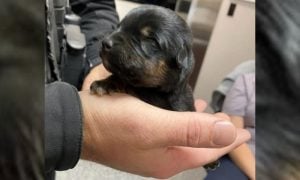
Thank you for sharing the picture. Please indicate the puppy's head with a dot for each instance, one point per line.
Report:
(150, 48)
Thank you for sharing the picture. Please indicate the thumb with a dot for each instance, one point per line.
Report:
(195, 130)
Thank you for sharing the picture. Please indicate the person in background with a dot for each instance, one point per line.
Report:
(220, 92)
(239, 104)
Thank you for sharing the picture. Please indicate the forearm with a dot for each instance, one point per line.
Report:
(244, 159)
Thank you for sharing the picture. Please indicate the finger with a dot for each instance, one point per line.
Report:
(195, 130)
(200, 105)
(195, 157)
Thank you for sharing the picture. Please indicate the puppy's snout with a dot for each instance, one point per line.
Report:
(107, 44)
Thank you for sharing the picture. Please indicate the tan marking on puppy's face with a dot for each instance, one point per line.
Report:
(146, 31)
(155, 73)
(290, 171)
(160, 69)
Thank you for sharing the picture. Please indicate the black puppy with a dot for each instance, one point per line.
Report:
(150, 57)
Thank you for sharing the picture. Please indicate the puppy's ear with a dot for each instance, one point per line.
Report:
(183, 58)
(185, 62)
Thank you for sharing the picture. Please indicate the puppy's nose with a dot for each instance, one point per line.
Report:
(107, 44)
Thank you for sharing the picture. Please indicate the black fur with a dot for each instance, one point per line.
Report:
(278, 87)
(21, 94)
(150, 57)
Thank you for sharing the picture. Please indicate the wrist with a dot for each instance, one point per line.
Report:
(86, 136)
(91, 136)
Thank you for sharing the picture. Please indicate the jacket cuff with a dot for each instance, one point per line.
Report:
(63, 126)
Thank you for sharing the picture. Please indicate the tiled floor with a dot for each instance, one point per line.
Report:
(85, 170)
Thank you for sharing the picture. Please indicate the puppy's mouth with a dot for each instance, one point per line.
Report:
(108, 65)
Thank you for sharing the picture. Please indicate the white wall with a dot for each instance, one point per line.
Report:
(123, 7)
(232, 42)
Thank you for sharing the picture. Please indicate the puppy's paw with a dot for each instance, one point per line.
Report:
(98, 87)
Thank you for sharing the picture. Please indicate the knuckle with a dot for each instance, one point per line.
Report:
(193, 133)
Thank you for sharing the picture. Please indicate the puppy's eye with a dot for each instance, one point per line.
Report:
(153, 42)
(149, 46)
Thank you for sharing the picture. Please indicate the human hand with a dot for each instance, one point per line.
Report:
(97, 73)
(125, 133)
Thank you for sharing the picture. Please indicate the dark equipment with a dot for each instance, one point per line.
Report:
(66, 44)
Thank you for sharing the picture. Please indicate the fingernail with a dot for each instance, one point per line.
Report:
(224, 133)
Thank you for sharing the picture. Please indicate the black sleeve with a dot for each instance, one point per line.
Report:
(98, 18)
(63, 126)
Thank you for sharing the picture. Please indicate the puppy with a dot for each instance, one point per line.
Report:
(150, 57)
